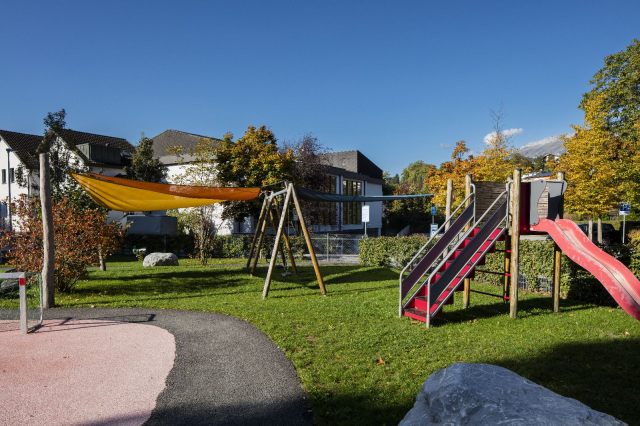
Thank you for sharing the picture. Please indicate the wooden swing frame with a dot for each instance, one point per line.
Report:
(270, 212)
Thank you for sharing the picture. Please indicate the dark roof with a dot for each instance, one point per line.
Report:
(25, 146)
(74, 138)
(170, 138)
(354, 162)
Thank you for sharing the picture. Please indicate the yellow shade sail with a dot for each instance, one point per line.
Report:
(130, 195)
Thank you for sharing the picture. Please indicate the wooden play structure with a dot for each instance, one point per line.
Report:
(494, 212)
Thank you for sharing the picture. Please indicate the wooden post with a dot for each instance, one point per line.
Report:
(515, 242)
(255, 234)
(557, 259)
(263, 228)
(305, 231)
(276, 243)
(274, 224)
(466, 295)
(287, 243)
(48, 264)
(507, 267)
(447, 210)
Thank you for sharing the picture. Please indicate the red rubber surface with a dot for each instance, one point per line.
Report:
(82, 372)
(614, 276)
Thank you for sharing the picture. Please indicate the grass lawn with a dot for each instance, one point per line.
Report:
(361, 364)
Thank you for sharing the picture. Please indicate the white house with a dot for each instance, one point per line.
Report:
(351, 172)
(101, 154)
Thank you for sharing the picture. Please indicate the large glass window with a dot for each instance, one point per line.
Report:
(328, 211)
(351, 212)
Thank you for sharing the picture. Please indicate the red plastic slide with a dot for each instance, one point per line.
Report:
(614, 276)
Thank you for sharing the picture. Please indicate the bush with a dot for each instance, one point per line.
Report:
(394, 252)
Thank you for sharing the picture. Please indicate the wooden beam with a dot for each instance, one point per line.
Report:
(276, 243)
(312, 252)
(274, 224)
(257, 231)
(287, 243)
(447, 209)
(261, 239)
(515, 242)
(557, 259)
(466, 295)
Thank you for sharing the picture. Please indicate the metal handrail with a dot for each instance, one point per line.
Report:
(428, 281)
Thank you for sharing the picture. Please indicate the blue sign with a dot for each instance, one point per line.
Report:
(625, 209)
(434, 211)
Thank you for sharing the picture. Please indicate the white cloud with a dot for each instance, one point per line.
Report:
(445, 146)
(507, 133)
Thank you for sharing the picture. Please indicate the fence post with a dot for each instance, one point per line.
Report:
(23, 304)
(466, 295)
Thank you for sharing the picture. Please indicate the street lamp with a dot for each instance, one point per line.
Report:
(9, 151)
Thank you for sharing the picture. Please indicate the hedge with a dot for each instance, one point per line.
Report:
(536, 265)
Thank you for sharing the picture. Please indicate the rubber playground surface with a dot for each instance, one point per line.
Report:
(146, 366)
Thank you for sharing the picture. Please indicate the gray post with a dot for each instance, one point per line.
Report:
(23, 305)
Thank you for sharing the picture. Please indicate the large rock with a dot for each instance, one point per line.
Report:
(481, 394)
(160, 259)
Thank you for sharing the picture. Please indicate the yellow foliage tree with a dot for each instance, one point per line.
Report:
(461, 163)
(590, 163)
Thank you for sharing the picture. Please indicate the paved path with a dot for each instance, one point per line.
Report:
(226, 372)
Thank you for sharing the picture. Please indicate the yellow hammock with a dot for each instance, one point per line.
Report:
(131, 195)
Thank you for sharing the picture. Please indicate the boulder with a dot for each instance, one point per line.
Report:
(482, 394)
(160, 259)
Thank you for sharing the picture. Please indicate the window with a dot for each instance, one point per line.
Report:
(12, 175)
(328, 211)
(4, 176)
(351, 212)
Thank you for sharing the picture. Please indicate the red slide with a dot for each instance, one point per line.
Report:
(614, 276)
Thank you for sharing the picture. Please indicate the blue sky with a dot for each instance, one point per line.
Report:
(400, 81)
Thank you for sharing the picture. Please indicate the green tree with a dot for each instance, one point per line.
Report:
(415, 173)
(619, 80)
(252, 161)
(144, 166)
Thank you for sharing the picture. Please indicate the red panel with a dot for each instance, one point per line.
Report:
(614, 276)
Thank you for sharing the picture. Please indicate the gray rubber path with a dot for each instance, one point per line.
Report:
(226, 371)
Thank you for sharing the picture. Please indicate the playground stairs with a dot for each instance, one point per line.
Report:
(446, 270)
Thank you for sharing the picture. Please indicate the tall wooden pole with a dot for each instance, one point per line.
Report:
(305, 231)
(49, 300)
(274, 224)
(515, 242)
(557, 260)
(287, 243)
(449, 201)
(276, 243)
(507, 267)
(466, 295)
(263, 228)
(258, 227)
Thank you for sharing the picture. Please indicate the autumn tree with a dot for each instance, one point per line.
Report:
(252, 161)
(79, 237)
(590, 162)
(498, 159)
(144, 166)
(460, 165)
(200, 171)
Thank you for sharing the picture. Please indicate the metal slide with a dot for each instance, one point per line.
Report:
(614, 276)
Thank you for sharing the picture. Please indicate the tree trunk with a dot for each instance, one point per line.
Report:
(47, 233)
(599, 230)
(103, 264)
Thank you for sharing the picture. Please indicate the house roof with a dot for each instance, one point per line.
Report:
(25, 146)
(75, 138)
(78, 138)
(170, 138)
(355, 162)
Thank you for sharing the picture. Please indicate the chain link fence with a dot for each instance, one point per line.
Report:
(337, 248)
